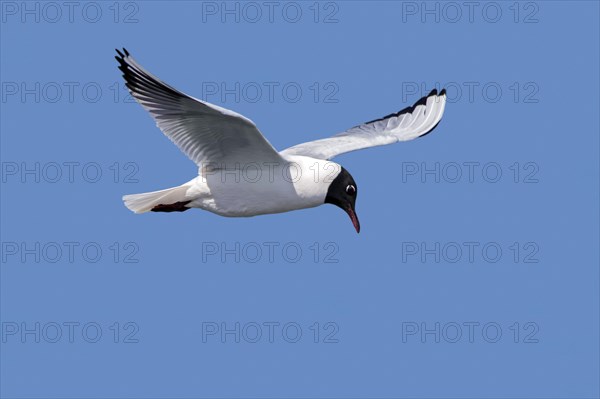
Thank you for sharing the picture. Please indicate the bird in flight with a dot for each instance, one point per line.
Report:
(240, 173)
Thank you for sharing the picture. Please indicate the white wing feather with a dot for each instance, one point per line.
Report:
(204, 132)
(408, 124)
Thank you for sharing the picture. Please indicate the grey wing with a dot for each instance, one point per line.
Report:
(204, 132)
(407, 124)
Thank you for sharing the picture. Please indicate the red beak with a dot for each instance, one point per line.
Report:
(354, 218)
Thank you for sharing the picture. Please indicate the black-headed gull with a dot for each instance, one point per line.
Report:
(240, 173)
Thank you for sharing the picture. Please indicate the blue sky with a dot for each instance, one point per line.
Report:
(476, 270)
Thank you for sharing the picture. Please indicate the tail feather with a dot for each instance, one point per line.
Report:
(145, 202)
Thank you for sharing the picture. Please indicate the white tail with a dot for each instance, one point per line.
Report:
(140, 203)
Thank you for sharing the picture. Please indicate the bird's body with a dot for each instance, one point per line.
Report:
(253, 189)
(240, 173)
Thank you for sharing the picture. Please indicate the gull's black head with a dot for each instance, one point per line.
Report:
(342, 192)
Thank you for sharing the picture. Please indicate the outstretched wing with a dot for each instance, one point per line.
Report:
(408, 124)
(206, 133)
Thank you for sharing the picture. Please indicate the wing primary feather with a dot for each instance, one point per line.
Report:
(409, 109)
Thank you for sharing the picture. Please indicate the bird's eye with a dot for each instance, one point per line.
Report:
(350, 189)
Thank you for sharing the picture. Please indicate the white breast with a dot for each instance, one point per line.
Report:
(253, 189)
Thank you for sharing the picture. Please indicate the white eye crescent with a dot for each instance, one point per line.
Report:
(350, 189)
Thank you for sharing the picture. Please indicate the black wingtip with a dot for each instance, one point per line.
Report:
(422, 101)
(432, 93)
(121, 61)
(123, 53)
(443, 92)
